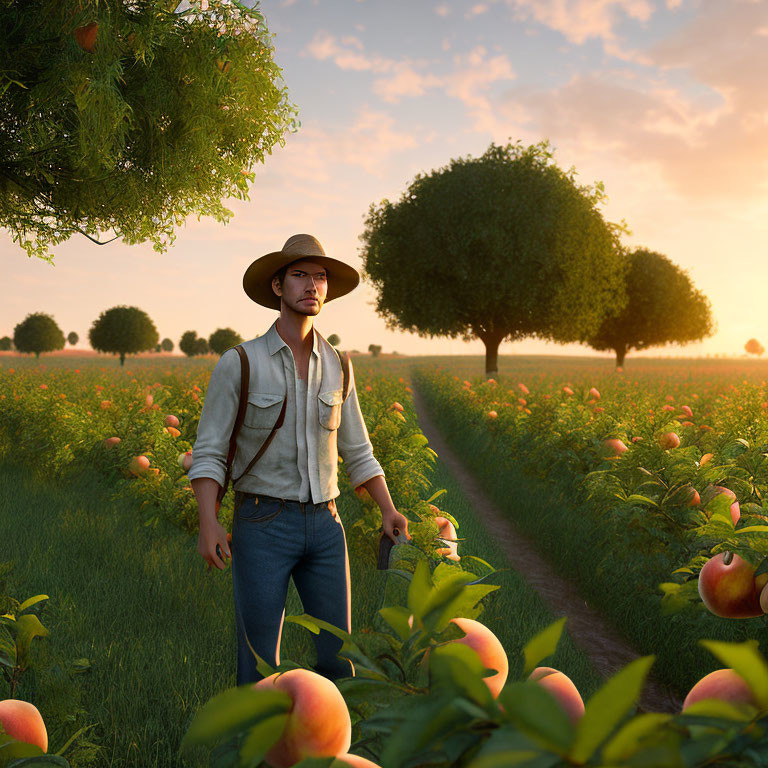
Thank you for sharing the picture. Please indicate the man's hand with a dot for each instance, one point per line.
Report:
(390, 520)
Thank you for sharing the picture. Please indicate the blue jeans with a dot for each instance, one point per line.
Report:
(273, 539)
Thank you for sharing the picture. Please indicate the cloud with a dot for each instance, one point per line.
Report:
(442, 10)
(476, 10)
(579, 20)
(472, 76)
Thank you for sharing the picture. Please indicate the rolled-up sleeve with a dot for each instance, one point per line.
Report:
(209, 454)
(354, 445)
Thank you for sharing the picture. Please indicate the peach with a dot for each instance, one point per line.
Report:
(704, 459)
(669, 440)
(562, 688)
(319, 724)
(693, 496)
(396, 407)
(23, 722)
(723, 684)
(488, 648)
(86, 36)
(171, 420)
(492, 414)
(447, 531)
(185, 460)
(594, 393)
(567, 390)
(110, 441)
(172, 431)
(613, 447)
(713, 490)
(728, 588)
(139, 465)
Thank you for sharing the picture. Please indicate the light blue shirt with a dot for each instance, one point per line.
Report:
(301, 463)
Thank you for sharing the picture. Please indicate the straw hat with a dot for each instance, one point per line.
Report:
(257, 280)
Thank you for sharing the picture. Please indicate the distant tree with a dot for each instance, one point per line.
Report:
(6, 343)
(124, 331)
(223, 339)
(167, 345)
(188, 343)
(128, 116)
(334, 340)
(663, 308)
(506, 246)
(38, 333)
(374, 349)
(201, 346)
(754, 347)
(73, 338)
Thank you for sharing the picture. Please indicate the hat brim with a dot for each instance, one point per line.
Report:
(257, 280)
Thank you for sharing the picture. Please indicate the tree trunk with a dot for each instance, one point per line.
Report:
(491, 339)
(122, 358)
(621, 353)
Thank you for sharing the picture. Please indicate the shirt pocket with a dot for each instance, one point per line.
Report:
(262, 410)
(329, 408)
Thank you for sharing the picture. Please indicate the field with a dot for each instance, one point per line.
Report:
(142, 636)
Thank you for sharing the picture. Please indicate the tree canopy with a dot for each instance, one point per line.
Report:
(124, 331)
(37, 333)
(223, 339)
(500, 247)
(662, 308)
(125, 115)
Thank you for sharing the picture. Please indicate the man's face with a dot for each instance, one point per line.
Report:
(304, 280)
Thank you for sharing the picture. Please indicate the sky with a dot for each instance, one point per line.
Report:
(664, 101)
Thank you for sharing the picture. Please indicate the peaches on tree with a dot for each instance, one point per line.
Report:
(729, 588)
(487, 646)
(318, 723)
(22, 721)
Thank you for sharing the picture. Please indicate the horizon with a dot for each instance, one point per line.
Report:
(662, 102)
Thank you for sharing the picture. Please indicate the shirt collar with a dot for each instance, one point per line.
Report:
(275, 341)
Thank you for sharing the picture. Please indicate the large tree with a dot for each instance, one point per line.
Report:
(663, 308)
(500, 247)
(223, 339)
(37, 333)
(124, 331)
(127, 116)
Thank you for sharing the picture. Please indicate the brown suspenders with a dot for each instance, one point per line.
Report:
(244, 379)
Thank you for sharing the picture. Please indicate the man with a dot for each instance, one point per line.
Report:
(285, 521)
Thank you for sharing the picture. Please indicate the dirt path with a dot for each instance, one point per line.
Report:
(607, 650)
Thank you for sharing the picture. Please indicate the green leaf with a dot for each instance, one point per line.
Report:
(752, 529)
(397, 618)
(505, 747)
(608, 706)
(457, 668)
(235, 710)
(542, 645)
(639, 499)
(436, 716)
(419, 589)
(260, 737)
(624, 744)
(536, 712)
